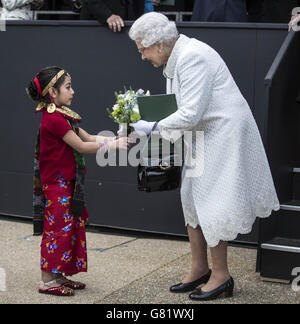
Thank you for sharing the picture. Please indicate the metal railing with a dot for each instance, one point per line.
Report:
(178, 15)
(37, 13)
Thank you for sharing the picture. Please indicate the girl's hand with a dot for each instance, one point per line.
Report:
(121, 143)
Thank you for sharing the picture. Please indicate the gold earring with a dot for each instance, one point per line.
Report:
(51, 108)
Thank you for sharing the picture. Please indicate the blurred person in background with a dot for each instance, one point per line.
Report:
(77, 5)
(271, 11)
(149, 6)
(220, 11)
(295, 20)
(58, 6)
(173, 5)
(113, 13)
(19, 9)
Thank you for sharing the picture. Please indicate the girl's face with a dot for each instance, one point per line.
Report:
(65, 95)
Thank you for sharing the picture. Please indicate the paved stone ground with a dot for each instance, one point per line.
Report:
(125, 270)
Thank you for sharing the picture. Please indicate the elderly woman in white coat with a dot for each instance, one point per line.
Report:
(236, 184)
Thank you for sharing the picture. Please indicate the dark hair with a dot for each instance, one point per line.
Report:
(44, 77)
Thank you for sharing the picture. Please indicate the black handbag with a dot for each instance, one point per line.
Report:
(161, 175)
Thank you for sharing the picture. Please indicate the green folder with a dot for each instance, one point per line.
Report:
(158, 107)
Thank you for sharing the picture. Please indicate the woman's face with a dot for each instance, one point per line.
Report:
(65, 95)
(153, 54)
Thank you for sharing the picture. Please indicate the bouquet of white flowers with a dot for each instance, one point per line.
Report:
(126, 109)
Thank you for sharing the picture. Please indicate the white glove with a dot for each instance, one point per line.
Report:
(143, 126)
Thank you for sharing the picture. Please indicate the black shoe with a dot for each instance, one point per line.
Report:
(190, 286)
(226, 289)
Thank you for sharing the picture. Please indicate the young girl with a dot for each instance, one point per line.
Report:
(59, 180)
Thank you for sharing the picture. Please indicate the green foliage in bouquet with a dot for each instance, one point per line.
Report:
(126, 110)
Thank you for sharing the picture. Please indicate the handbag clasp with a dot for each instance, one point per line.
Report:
(164, 165)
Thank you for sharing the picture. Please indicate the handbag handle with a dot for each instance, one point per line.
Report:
(150, 134)
(153, 129)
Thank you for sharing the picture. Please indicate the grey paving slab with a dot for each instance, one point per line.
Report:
(113, 263)
(124, 269)
(249, 288)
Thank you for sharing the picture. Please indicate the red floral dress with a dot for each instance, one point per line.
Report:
(63, 246)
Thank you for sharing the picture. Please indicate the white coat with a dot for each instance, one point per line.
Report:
(235, 184)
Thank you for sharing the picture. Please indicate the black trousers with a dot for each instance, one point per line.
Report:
(271, 11)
